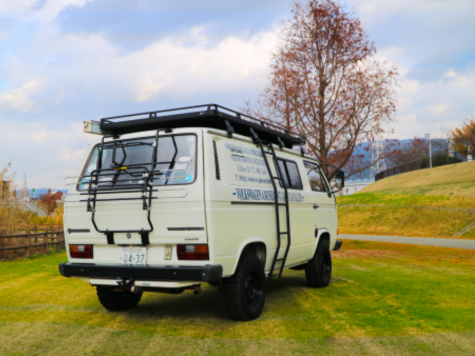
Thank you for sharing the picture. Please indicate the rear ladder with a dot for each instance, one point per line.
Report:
(270, 151)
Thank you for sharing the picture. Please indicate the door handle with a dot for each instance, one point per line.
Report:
(315, 206)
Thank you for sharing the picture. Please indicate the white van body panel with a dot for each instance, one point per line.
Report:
(227, 214)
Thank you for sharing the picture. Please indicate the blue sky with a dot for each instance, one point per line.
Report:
(65, 61)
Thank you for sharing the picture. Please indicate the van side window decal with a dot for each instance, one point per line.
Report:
(246, 166)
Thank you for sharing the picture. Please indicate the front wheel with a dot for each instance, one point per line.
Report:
(117, 301)
(319, 268)
(245, 293)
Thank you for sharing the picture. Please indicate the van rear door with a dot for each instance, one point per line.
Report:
(132, 190)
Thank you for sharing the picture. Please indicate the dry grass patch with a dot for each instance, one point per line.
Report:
(402, 221)
(454, 179)
(51, 339)
(436, 202)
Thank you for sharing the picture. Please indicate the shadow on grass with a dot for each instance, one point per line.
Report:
(209, 304)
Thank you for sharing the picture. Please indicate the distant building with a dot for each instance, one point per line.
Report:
(57, 195)
(353, 186)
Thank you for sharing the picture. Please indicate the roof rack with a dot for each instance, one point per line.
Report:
(208, 115)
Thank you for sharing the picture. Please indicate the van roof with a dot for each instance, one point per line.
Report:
(208, 115)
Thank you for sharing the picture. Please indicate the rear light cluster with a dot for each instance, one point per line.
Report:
(193, 252)
(80, 251)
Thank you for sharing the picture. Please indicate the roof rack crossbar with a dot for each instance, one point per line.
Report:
(212, 115)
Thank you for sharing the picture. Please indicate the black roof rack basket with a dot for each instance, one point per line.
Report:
(209, 115)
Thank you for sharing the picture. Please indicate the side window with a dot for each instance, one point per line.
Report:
(315, 177)
(291, 174)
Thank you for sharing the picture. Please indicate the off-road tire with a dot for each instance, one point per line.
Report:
(319, 268)
(214, 284)
(245, 292)
(117, 301)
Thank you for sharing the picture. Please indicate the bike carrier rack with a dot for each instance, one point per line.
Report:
(143, 176)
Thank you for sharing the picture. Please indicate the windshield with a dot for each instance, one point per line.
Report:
(124, 165)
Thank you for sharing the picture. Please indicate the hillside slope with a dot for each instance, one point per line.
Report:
(429, 202)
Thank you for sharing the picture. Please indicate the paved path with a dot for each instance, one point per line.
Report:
(34, 207)
(430, 241)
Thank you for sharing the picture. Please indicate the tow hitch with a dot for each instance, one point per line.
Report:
(129, 286)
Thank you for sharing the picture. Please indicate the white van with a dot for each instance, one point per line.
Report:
(171, 199)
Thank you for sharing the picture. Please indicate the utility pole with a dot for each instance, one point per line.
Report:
(430, 150)
(377, 164)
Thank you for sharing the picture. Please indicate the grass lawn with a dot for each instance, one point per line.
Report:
(384, 299)
(436, 202)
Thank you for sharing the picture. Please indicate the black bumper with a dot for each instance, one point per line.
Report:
(206, 273)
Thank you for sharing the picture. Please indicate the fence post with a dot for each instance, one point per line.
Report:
(58, 241)
(28, 250)
(46, 242)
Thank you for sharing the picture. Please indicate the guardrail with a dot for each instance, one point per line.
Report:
(32, 242)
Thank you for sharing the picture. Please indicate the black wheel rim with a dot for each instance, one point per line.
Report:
(252, 291)
(326, 266)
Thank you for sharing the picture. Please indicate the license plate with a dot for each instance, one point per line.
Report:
(133, 256)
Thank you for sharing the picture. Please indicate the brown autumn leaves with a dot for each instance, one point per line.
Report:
(326, 85)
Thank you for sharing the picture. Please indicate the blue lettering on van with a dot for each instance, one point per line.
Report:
(243, 150)
(266, 195)
(249, 160)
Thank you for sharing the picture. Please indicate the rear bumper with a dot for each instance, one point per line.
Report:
(206, 273)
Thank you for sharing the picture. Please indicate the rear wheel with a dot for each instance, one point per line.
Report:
(319, 268)
(214, 284)
(244, 293)
(117, 301)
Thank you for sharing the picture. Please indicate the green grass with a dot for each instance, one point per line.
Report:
(455, 179)
(405, 215)
(384, 299)
(436, 202)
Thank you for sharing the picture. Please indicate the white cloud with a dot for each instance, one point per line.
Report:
(47, 154)
(439, 109)
(20, 98)
(37, 10)
(174, 68)
(168, 69)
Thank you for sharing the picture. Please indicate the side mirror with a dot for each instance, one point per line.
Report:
(340, 180)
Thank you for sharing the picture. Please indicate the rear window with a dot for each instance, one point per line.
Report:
(291, 174)
(124, 165)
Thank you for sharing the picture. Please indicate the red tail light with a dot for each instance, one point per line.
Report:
(80, 251)
(192, 252)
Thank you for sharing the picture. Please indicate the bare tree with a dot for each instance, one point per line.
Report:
(414, 150)
(10, 213)
(326, 85)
